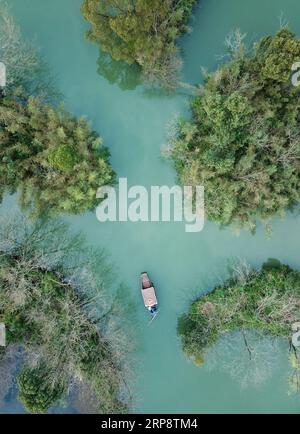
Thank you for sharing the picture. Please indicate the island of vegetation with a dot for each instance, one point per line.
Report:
(242, 142)
(55, 308)
(141, 33)
(54, 160)
(265, 301)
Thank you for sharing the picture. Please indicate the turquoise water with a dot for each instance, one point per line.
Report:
(182, 265)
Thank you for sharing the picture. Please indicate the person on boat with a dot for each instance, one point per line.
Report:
(152, 310)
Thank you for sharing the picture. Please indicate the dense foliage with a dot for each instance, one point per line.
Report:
(53, 303)
(267, 301)
(243, 142)
(53, 158)
(141, 32)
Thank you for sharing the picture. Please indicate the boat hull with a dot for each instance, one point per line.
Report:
(149, 294)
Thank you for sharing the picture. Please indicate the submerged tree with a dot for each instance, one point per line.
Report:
(55, 160)
(265, 302)
(249, 357)
(54, 304)
(23, 65)
(243, 142)
(36, 392)
(141, 32)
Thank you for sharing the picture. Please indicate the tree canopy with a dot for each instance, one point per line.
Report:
(141, 32)
(35, 390)
(54, 159)
(243, 142)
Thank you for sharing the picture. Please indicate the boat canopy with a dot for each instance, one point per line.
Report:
(145, 281)
(149, 297)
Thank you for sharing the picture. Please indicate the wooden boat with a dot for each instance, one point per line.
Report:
(149, 295)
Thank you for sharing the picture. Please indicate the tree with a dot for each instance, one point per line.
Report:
(141, 32)
(55, 304)
(55, 160)
(250, 358)
(248, 310)
(242, 143)
(126, 76)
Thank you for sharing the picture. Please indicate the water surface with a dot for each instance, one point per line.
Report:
(182, 265)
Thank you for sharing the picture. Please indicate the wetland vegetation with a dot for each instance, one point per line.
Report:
(65, 324)
(242, 142)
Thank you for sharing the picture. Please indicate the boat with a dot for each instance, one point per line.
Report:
(149, 295)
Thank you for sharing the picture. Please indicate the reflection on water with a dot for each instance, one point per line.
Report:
(126, 76)
(182, 265)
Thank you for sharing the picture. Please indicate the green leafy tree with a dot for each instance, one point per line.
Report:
(242, 143)
(24, 67)
(54, 160)
(35, 390)
(249, 311)
(141, 32)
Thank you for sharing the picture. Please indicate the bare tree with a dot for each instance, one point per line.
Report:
(249, 358)
(65, 327)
